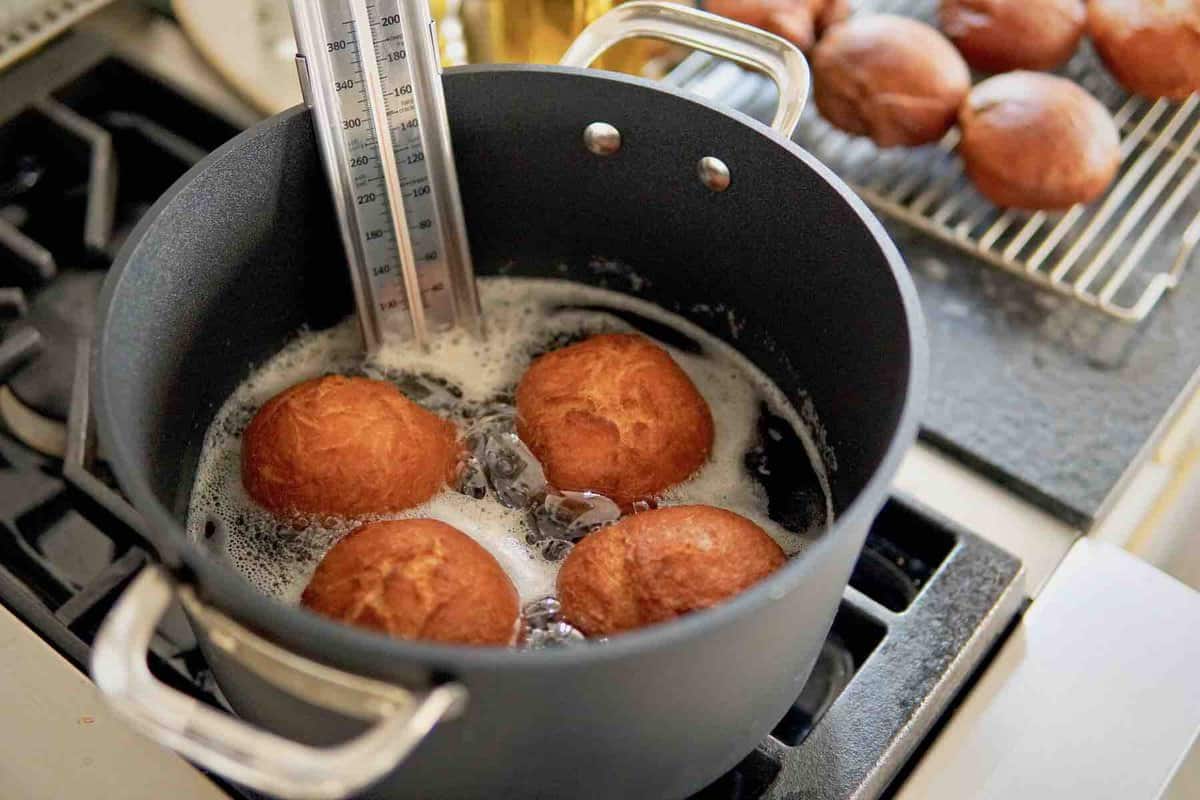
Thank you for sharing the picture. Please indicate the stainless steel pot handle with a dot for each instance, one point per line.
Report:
(778, 58)
(234, 749)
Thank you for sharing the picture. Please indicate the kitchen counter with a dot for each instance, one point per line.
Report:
(59, 740)
(1090, 697)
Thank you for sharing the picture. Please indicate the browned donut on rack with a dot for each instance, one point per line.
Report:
(1003, 35)
(801, 22)
(1151, 46)
(1036, 141)
(891, 78)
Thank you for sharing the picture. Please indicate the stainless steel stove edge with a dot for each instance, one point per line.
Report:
(897, 696)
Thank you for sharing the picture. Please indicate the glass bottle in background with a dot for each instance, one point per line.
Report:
(539, 32)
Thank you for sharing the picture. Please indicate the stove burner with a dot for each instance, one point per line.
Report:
(894, 567)
(26, 172)
(47, 436)
(61, 314)
(61, 213)
(35, 402)
(834, 669)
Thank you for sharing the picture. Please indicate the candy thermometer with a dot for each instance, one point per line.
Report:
(371, 74)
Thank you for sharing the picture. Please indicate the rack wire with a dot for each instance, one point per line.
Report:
(1107, 255)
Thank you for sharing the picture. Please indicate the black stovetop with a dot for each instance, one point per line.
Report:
(925, 598)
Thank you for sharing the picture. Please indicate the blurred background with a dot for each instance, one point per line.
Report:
(249, 42)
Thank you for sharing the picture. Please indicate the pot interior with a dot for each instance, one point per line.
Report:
(244, 251)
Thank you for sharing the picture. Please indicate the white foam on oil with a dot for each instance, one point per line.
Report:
(523, 316)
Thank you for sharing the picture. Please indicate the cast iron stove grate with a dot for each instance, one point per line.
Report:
(84, 152)
(925, 603)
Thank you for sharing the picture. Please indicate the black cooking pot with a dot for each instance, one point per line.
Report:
(244, 251)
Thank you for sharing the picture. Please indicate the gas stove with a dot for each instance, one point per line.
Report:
(78, 168)
(94, 143)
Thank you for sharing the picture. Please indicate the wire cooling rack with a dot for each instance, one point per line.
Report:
(26, 24)
(1107, 255)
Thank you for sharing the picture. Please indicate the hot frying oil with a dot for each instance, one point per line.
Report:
(472, 383)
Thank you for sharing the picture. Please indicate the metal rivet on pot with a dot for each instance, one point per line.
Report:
(714, 173)
(602, 139)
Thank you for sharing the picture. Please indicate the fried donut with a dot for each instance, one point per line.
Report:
(1003, 35)
(345, 447)
(1152, 47)
(613, 414)
(891, 78)
(801, 22)
(1037, 141)
(656, 565)
(416, 579)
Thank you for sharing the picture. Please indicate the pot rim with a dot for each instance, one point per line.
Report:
(298, 629)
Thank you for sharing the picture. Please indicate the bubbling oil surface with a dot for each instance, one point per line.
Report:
(462, 378)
